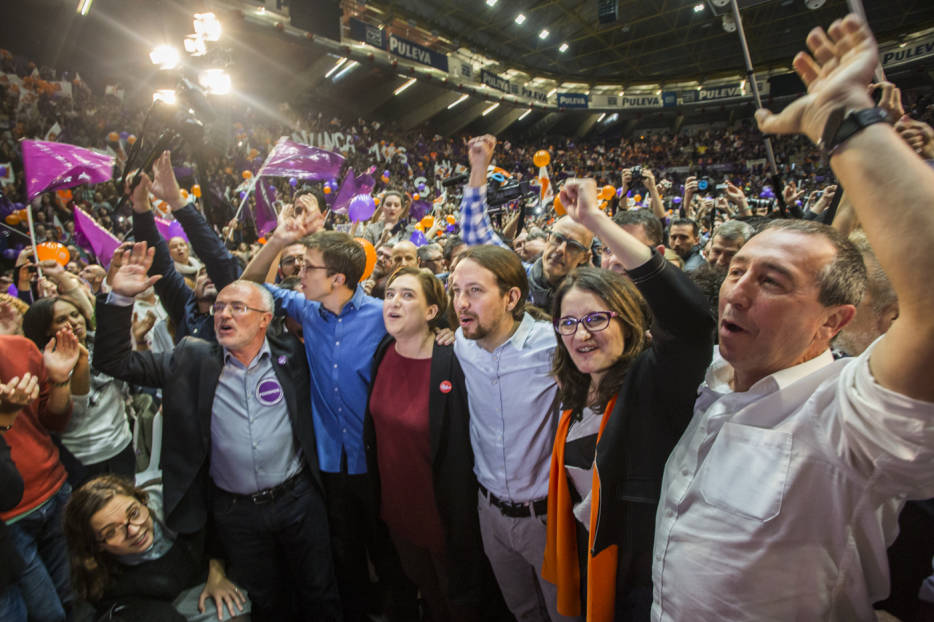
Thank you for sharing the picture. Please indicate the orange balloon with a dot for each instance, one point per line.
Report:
(608, 192)
(54, 251)
(541, 158)
(375, 200)
(261, 240)
(247, 174)
(64, 195)
(427, 222)
(415, 197)
(13, 219)
(370, 257)
(229, 170)
(184, 194)
(603, 205)
(637, 198)
(113, 137)
(559, 207)
(327, 190)
(196, 190)
(450, 219)
(131, 139)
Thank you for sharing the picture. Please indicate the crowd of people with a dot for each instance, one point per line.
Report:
(686, 396)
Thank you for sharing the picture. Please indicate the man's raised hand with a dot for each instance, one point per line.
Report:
(164, 184)
(132, 278)
(298, 220)
(836, 73)
(579, 197)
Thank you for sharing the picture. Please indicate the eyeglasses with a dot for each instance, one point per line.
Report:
(136, 514)
(236, 308)
(557, 239)
(292, 259)
(308, 266)
(592, 322)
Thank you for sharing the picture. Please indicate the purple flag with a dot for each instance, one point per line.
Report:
(351, 187)
(55, 166)
(92, 237)
(419, 209)
(263, 213)
(292, 159)
(170, 229)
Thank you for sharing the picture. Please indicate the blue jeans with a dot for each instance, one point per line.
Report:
(40, 541)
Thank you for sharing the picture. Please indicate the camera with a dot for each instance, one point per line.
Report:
(499, 194)
(636, 173)
(703, 183)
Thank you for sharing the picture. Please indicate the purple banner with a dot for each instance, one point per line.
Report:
(92, 237)
(55, 166)
(264, 213)
(292, 159)
(351, 187)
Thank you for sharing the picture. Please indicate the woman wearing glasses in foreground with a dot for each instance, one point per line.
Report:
(130, 566)
(628, 398)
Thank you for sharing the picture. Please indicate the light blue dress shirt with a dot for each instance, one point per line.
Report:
(340, 351)
(253, 446)
(510, 392)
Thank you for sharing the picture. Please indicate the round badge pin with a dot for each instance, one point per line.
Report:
(269, 392)
(283, 359)
(446, 386)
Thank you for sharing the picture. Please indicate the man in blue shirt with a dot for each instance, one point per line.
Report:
(342, 327)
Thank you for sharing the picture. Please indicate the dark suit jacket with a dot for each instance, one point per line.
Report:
(188, 376)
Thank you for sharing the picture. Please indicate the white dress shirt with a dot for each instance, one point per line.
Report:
(779, 502)
(512, 427)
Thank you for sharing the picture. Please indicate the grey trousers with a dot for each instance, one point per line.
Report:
(516, 549)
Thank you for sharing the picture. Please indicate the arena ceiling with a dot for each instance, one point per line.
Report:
(651, 41)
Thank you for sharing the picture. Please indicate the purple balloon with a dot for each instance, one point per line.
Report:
(242, 194)
(421, 187)
(293, 182)
(676, 200)
(124, 135)
(10, 253)
(361, 208)
(386, 173)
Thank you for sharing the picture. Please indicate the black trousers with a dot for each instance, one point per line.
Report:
(280, 552)
(359, 536)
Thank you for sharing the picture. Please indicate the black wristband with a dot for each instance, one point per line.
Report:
(839, 129)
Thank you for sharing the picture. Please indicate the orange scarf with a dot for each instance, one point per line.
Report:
(562, 564)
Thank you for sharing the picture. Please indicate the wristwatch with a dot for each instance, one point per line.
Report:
(841, 126)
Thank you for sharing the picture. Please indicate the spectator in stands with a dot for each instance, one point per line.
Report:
(35, 523)
(783, 433)
(683, 239)
(404, 254)
(125, 560)
(453, 248)
(530, 244)
(94, 275)
(390, 224)
(727, 239)
(98, 438)
(185, 264)
(642, 225)
(431, 257)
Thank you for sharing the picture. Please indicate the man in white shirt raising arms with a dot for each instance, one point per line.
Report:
(783, 493)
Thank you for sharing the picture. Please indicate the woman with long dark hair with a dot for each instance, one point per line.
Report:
(98, 438)
(130, 566)
(627, 398)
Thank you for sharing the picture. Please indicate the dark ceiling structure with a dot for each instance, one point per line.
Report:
(650, 41)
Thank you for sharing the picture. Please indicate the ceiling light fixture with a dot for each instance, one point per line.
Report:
(525, 114)
(491, 2)
(543, 34)
(459, 100)
(490, 109)
(207, 26)
(520, 19)
(166, 56)
(340, 61)
(551, 92)
(698, 8)
(84, 6)
(601, 117)
(399, 90)
(347, 69)
(166, 96)
(563, 47)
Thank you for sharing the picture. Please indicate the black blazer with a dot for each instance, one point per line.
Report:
(653, 407)
(11, 493)
(188, 376)
(455, 485)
